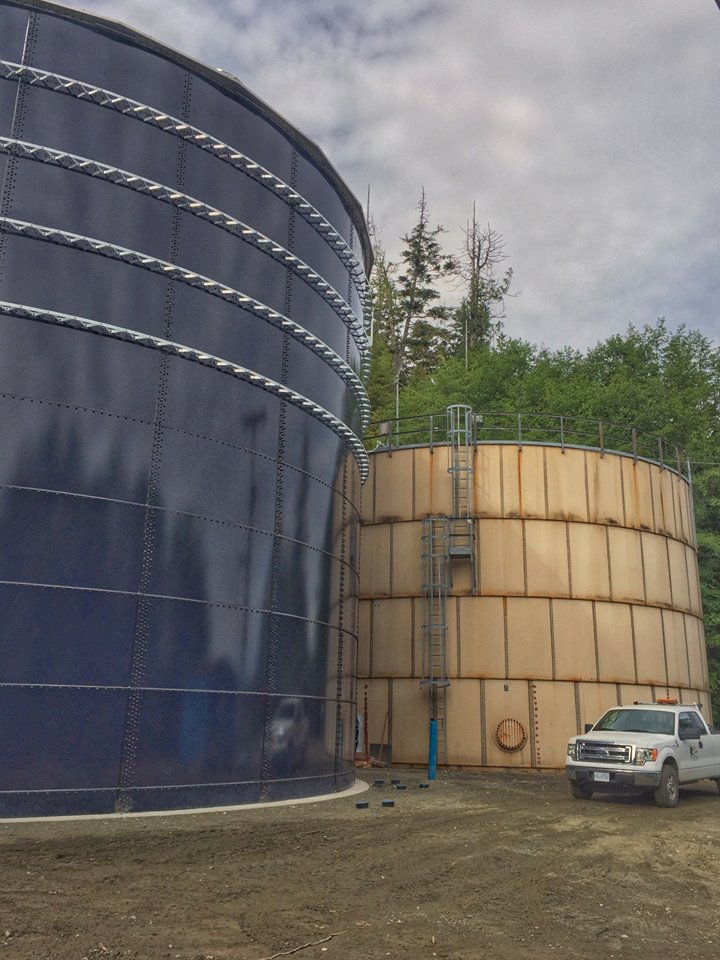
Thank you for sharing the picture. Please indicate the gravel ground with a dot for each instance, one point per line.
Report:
(481, 865)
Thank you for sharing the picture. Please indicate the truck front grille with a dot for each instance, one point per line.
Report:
(593, 752)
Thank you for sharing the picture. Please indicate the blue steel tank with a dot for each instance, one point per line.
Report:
(184, 323)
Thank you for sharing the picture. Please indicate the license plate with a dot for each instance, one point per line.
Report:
(601, 776)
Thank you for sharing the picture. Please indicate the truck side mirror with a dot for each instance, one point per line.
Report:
(588, 727)
(690, 733)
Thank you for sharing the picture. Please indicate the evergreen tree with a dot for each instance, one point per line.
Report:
(409, 320)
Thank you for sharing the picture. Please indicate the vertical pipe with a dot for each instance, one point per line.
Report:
(432, 750)
(366, 736)
(691, 496)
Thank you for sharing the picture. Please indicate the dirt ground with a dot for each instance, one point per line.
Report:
(481, 865)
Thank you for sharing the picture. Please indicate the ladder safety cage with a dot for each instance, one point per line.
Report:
(461, 444)
(461, 450)
(435, 590)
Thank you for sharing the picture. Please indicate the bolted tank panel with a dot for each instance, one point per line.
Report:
(183, 331)
(584, 593)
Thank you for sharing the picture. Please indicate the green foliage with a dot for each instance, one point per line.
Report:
(381, 382)
(707, 511)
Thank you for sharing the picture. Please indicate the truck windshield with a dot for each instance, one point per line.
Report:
(638, 721)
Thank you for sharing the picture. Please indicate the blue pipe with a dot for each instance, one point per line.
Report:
(432, 749)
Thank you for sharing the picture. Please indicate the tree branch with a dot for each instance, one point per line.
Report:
(303, 946)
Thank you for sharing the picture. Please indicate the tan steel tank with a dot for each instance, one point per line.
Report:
(583, 593)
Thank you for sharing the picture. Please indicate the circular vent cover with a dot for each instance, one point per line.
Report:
(510, 735)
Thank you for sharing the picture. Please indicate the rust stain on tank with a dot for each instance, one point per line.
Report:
(636, 493)
(519, 478)
(475, 488)
(428, 461)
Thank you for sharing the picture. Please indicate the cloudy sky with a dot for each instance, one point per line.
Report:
(587, 132)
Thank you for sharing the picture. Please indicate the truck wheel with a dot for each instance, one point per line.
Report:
(717, 783)
(668, 793)
(580, 791)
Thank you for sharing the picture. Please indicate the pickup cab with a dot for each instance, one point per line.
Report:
(648, 747)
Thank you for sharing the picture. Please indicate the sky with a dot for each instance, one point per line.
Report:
(586, 132)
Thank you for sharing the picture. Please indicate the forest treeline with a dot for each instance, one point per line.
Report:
(426, 355)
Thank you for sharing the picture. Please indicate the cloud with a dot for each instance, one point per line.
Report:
(585, 132)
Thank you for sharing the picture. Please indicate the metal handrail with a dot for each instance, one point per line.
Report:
(528, 428)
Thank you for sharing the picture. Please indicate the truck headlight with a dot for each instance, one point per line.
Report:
(645, 755)
(571, 751)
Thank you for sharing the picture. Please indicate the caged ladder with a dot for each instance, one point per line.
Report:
(447, 540)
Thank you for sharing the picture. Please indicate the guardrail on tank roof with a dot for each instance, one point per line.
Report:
(529, 428)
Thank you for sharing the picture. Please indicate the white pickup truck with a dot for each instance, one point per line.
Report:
(648, 747)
